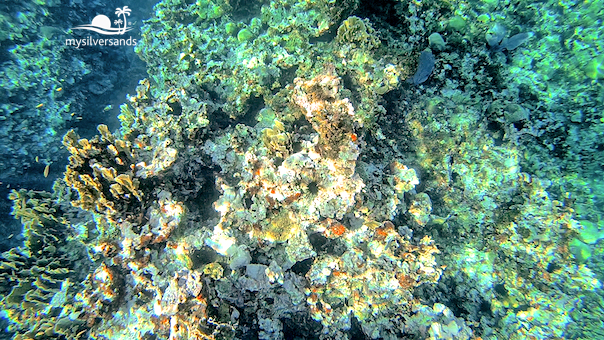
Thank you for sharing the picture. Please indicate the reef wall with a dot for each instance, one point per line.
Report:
(301, 169)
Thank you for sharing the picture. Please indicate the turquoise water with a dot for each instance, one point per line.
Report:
(288, 169)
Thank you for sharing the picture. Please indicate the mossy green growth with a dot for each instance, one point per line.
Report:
(256, 24)
(589, 233)
(266, 117)
(581, 251)
(296, 42)
(457, 23)
(215, 12)
(491, 3)
(230, 28)
(595, 68)
(484, 18)
(202, 14)
(245, 35)
(436, 41)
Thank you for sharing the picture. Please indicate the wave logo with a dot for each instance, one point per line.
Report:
(101, 23)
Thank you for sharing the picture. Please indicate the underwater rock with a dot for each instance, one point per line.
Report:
(103, 288)
(331, 117)
(372, 287)
(440, 322)
(420, 208)
(405, 179)
(436, 41)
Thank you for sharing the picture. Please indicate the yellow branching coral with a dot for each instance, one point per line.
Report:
(35, 278)
(102, 172)
(277, 140)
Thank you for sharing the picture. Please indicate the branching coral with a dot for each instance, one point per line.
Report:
(37, 278)
(102, 172)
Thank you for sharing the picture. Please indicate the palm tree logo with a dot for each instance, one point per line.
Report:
(102, 24)
(123, 12)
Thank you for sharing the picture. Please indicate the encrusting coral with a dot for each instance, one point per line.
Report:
(314, 182)
(313, 188)
(331, 116)
(371, 281)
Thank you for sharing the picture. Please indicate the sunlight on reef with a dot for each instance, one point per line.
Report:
(322, 170)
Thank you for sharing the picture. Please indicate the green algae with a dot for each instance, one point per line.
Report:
(245, 35)
(580, 250)
(457, 23)
(595, 68)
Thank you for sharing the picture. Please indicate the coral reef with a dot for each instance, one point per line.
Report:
(47, 87)
(439, 322)
(276, 178)
(371, 281)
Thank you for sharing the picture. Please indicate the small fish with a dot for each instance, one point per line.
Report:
(47, 170)
(498, 42)
(424, 67)
(107, 108)
(37, 159)
(59, 89)
(516, 40)
(39, 106)
(495, 35)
